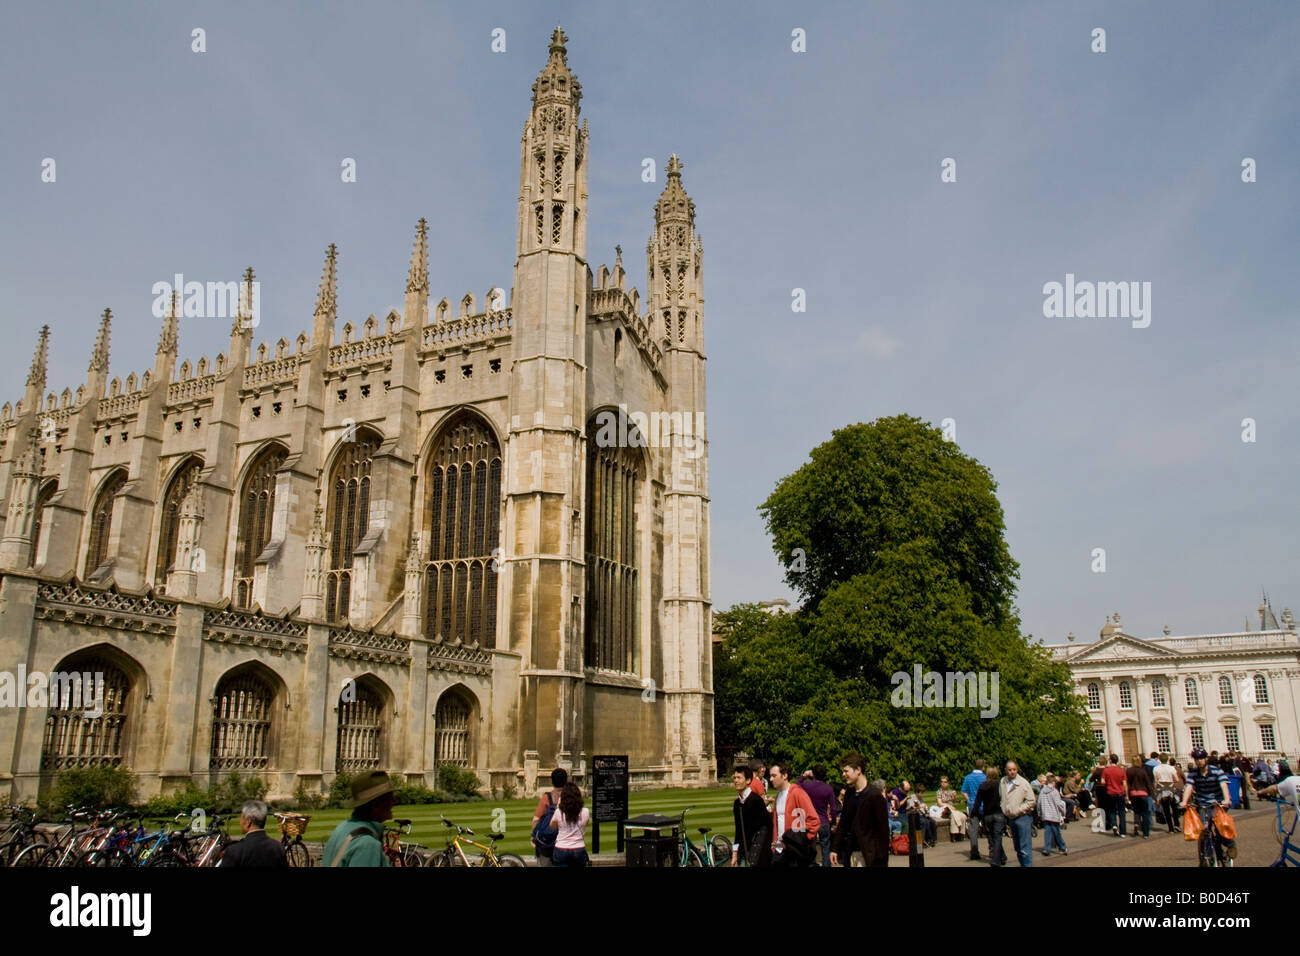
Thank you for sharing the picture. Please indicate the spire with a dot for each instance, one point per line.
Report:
(418, 278)
(99, 358)
(556, 83)
(244, 315)
(168, 340)
(327, 297)
(36, 375)
(674, 204)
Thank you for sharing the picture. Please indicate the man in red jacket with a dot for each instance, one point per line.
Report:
(794, 819)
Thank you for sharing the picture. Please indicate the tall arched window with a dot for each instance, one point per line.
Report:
(462, 514)
(241, 721)
(73, 738)
(1190, 690)
(1261, 689)
(101, 520)
(1158, 694)
(347, 518)
(361, 730)
(42, 499)
(1094, 696)
(452, 738)
(1125, 694)
(1225, 690)
(181, 484)
(614, 476)
(256, 511)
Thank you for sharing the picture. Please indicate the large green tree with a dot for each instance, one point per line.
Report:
(903, 563)
(874, 487)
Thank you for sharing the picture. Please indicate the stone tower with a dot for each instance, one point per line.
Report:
(674, 264)
(543, 570)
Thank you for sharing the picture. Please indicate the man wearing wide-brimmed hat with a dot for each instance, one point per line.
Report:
(358, 840)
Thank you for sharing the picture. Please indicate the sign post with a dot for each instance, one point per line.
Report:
(609, 796)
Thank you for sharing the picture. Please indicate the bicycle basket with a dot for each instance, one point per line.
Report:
(294, 824)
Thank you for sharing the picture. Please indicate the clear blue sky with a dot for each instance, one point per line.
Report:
(817, 170)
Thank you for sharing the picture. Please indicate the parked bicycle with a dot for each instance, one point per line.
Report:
(715, 851)
(399, 852)
(292, 827)
(81, 829)
(19, 834)
(191, 848)
(454, 855)
(1284, 830)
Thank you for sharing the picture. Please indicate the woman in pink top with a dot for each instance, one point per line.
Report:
(571, 821)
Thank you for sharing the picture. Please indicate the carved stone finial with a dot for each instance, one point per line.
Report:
(169, 338)
(558, 39)
(327, 297)
(417, 279)
(99, 357)
(36, 375)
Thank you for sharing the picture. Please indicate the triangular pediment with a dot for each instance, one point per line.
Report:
(1121, 647)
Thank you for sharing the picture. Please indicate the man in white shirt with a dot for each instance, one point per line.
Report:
(1166, 778)
(1284, 790)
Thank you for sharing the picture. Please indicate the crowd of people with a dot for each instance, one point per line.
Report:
(786, 819)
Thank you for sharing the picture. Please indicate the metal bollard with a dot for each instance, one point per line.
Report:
(915, 856)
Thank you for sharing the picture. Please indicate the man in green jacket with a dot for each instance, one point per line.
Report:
(359, 840)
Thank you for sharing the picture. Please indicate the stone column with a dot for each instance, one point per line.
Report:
(178, 756)
(1143, 701)
(417, 712)
(1110, 703)
(1177, 731)
(17, 615)
(318, 696)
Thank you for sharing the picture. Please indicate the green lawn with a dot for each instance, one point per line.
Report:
(712, 809)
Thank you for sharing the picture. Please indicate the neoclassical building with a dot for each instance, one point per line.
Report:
(395, 544)
(1237, 691)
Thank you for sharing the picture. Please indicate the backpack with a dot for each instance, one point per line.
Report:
(543, 835)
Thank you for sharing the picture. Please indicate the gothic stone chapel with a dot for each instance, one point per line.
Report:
(393, 546)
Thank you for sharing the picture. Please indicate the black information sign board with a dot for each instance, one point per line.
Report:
(609, 775)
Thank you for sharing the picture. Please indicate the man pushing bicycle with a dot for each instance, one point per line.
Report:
(1209, 784)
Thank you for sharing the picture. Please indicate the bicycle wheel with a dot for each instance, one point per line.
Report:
(721, 850)
(510, 859)
(10, 850)
(438, 859)
(691, 856)
(297, 854)
(1286, 821)
(33, 855)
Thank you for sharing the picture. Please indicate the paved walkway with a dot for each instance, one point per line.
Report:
(1256, 843)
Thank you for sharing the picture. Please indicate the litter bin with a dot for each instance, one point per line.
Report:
(1234, 790)
(651, 840)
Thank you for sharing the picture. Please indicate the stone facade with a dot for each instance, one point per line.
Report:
(476, 535)
(1237, 691)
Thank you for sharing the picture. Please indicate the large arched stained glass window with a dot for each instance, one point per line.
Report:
(347, 518)
(256, 511)
(462, 515)
(614, 476)
(181, 484)
(101, 520)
